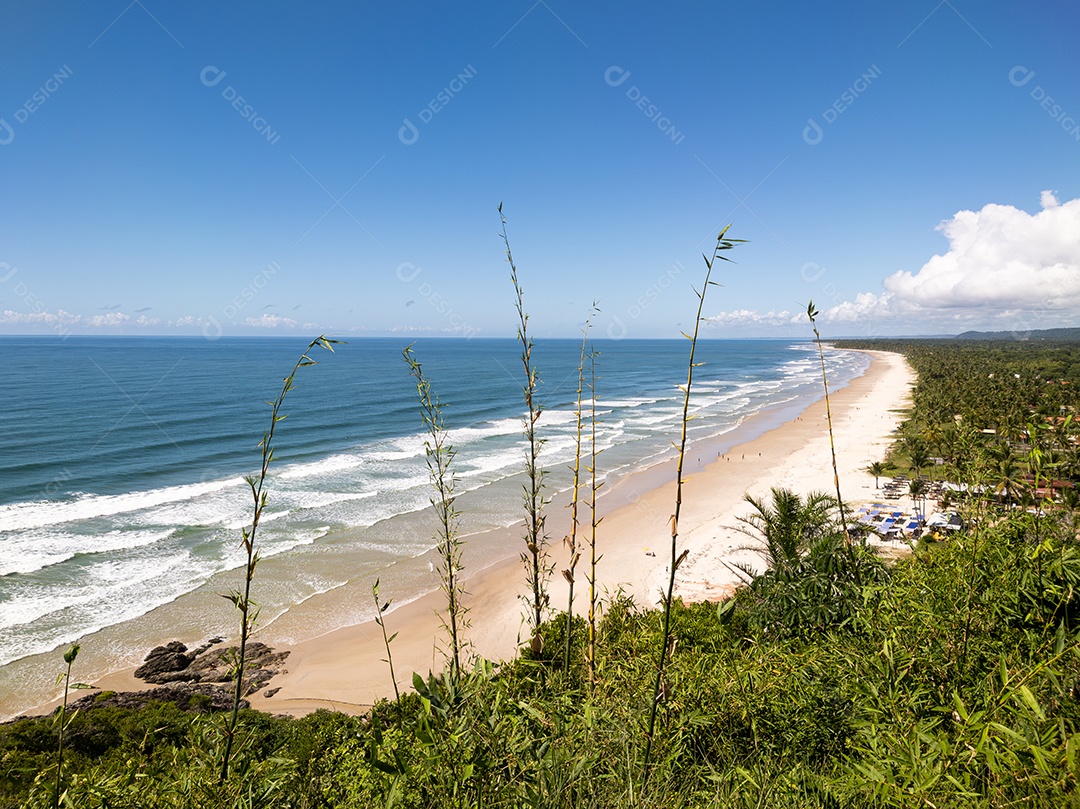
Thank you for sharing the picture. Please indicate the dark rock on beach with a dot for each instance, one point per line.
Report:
(194, 697)
(172, 663)
(198, 680)
(164, 663)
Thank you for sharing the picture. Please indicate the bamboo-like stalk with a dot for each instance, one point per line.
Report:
(677, 559)
(380, 608)
(571, 539)
(242, 601)
(593, 521)
(812, 313)
(440, 455)
(62, 719)
(538, 568)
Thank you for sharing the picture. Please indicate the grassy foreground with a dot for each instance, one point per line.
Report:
(943, 690)
(950, 680)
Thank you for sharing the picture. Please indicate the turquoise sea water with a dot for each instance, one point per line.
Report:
(122, 459)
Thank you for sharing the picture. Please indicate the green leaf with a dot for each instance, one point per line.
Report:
(382, 766)
(1029, 700)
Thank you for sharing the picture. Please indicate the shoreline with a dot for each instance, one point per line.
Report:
(343, 668)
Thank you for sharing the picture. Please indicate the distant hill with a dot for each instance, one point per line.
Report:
(1043, 335)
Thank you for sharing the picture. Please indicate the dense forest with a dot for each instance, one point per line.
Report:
(950, 678)
(1050, 335)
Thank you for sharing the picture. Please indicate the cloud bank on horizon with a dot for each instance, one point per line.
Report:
(1022, 269)
(177, 171)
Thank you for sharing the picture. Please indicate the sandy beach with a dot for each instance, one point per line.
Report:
(344, 669)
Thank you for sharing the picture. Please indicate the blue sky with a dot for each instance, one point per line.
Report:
(273, 168)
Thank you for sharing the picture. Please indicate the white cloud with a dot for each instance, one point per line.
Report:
(1000, 258)
(866, 306)
(748, 317)
(1004, 268)
(67, 319)
(269, 321)
(35, 318)
(111, 320)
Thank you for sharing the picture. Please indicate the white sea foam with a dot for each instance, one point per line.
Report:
(38, 514)
(267, 516)
(313, 500)
(25, 553)
(115, 583)
(461, 436)
(327, 466)
(626, 402)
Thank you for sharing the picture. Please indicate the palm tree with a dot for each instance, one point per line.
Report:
(1004, 469)
(918, 455)
(917, 490)
(789, 525)
(877, 469)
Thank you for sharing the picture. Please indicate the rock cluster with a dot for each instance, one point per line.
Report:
(173, 663)
(195, 697)
(197, 680)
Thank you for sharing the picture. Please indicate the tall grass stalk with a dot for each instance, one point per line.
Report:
(722, 244)
(536, 558)
(812, 313)
(571, 539)
(380, 608)
(976, 482)
(257, 483)
(593, 521)
(62, 718)
(440, 455)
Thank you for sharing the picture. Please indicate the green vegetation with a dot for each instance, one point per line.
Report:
(991, 413)
(661, 687)
(594, 488)
(536, 557)
(951, 679)
(380, 608)
(247, 608)
(439, 454)
(943, 691)
(811, 314)
(571, 539)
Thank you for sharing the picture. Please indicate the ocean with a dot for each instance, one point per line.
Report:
(122, 465)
